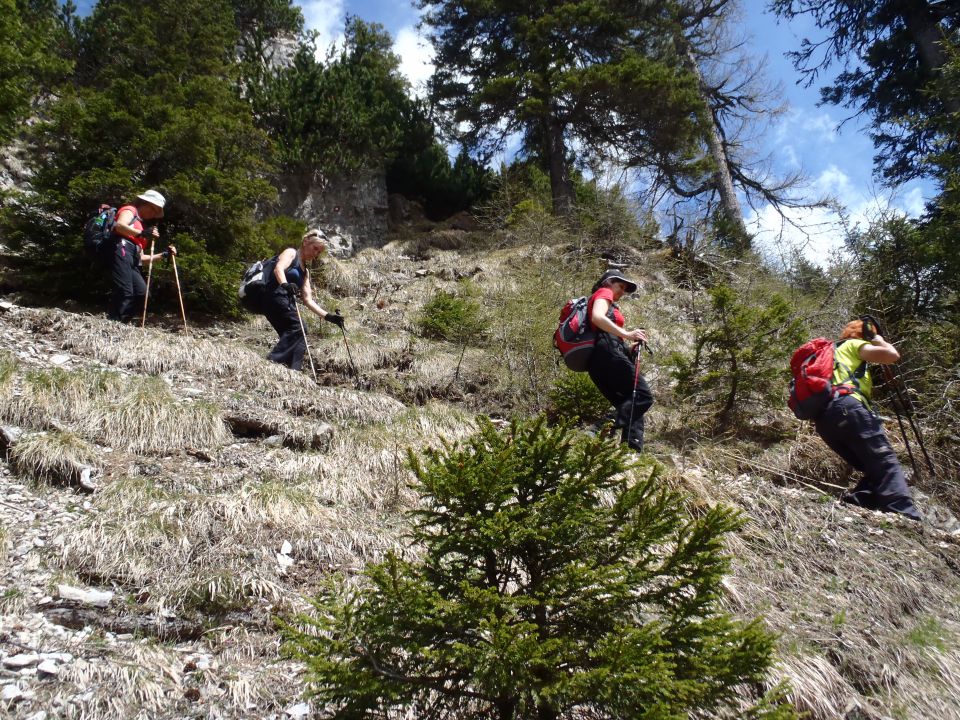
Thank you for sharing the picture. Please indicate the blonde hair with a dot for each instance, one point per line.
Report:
(853, 329)
(314, 235)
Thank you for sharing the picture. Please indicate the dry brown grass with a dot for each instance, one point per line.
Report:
(154, 352)
(866, 603)
(147, 418)
(128, 412)
(145, 681)
(8, 366)
(211, 551)
(56, 456)
(212, 545)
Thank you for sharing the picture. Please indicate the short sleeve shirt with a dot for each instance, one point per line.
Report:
(846, 360)
(136, 224)
(605, 294)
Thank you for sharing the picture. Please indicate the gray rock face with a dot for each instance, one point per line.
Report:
(352, 210)
(13, 169)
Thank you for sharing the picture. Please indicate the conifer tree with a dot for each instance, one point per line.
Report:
(549, 578)
(33, 44)
(597, 75)
(154, 103)
(740, 354)
(892, 55)
(350, 112)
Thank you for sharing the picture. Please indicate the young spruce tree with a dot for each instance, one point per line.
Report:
(741, 355)
(551, 579)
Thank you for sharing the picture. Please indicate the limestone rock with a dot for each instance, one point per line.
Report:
(97, 598)
(20, 661)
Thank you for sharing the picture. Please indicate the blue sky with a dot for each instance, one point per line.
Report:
(836, 162)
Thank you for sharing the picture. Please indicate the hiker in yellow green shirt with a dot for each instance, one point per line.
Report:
(853, 431)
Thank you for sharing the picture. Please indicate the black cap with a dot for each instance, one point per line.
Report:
(617, 275)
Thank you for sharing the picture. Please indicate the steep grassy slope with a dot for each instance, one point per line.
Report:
(229, 488)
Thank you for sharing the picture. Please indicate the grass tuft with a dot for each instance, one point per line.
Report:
(57, 456)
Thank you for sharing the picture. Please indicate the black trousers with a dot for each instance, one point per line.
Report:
(613, 371)
(281, 312)
(129, 287)
(856, 435)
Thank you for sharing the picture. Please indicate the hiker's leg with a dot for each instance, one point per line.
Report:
(884, 486)
(121, 276)
(641, 402)
(290, 346)
(833, 426)
(607, 371)
(139, 291)
(613, 372)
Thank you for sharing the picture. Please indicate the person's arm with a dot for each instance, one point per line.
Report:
(601, 322)
(171, 250)
(123, 227)
(284, 260)
(333, 317)
(879, 351)
(307, 296)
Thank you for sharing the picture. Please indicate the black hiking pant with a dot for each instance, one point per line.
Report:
(856, 434)
(613, 372)
(281, 312)
(129, 287)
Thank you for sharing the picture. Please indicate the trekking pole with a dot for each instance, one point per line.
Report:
(636, 381)
(868, 333)
(306, 344)
(888, 374)
(176, 278)
(146, 297)
(353, 368)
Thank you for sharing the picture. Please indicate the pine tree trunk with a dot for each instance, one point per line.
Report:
(561, 187)
(927, 35)
(723, 181)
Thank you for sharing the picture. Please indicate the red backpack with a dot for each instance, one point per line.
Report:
(574, 337)
(811, 388)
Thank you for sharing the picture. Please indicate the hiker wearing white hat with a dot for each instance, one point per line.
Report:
(133, 231)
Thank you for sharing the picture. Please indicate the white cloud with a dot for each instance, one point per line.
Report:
(326, 18)
(914, 202)
(833, 181)
(821, 125)
(416, 58)
(819, 232)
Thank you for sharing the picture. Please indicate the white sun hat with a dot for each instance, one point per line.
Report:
(153, 197)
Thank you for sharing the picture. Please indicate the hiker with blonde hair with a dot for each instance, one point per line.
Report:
(852, 430)
(288, 280)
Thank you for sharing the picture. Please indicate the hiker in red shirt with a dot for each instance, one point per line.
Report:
(133, 234)
(613, 364)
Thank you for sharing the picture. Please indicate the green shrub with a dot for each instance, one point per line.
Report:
(741, 355)
(555, 580)
(457, 317)
(574, 398)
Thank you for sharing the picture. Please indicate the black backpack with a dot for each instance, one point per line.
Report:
(98, 240)
(253, 284)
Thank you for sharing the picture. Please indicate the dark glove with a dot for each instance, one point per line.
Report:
(336, 318)
(870, 327)
(290, 289)
(166, 253)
